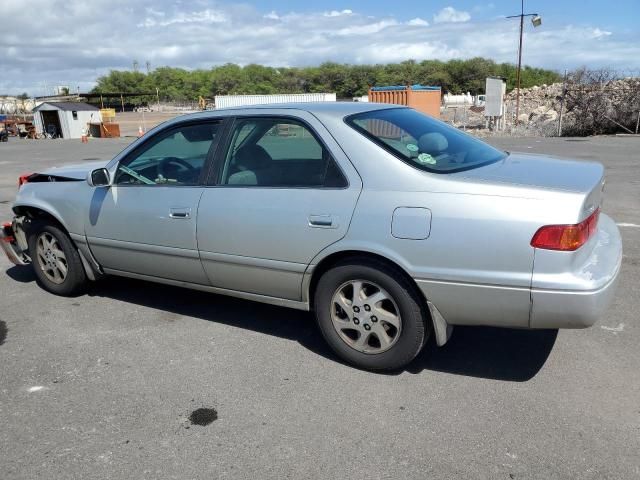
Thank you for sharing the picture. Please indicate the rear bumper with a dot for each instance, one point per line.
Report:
(592, 284)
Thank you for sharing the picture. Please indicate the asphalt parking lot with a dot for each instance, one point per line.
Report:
(103, 385)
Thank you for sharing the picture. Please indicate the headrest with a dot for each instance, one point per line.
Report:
(433, 143)
(252, 157)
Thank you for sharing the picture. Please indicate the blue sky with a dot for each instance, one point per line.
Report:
(84, 39)
(613, 15)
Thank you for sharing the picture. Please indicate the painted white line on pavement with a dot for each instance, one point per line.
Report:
(614, 330)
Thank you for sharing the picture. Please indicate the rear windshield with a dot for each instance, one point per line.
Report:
(424, 142)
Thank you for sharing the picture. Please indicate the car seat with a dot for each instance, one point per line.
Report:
(252, 166)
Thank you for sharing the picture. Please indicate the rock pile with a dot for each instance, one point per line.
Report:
(592, 106)
(538, 105)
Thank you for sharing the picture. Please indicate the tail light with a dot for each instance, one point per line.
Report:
(566, 237)
(24, 178)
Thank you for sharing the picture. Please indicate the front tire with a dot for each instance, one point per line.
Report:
(370, 315)
(55, 260)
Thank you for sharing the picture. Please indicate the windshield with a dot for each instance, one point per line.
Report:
(424, 142)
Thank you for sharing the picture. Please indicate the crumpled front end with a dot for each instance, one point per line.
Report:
(14, 241)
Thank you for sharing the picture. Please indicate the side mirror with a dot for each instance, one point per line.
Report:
(99, 178)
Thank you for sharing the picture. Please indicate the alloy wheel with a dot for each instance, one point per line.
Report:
(365, 316)
(51, 258)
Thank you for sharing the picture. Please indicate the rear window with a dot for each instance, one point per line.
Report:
(424, 142)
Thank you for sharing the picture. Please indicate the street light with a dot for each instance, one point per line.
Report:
(536, 21)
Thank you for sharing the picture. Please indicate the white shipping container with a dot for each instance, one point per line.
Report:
(225, 101)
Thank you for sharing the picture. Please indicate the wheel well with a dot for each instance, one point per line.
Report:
(92, 269)
(354, 255)
(35, 213)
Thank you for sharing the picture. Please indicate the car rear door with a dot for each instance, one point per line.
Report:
(284, 191)
(145, 222)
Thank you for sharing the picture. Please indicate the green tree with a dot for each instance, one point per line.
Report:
(455, 76)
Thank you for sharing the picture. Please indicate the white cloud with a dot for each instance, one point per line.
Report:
(336, 13)
(451, 15)
(597, 33)
(418, 22)
(204, 16)
(199, 35)
(367, 29)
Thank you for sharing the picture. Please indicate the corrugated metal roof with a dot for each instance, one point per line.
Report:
(69, 106)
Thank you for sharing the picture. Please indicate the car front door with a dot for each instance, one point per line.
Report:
(284, 191)
(145, 222)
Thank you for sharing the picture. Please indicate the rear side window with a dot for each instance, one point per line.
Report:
(424, 142)
(278, 152)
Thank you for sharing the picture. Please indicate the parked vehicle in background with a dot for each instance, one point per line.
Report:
(390, 225)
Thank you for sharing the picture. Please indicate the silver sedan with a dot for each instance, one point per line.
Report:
(390, 225)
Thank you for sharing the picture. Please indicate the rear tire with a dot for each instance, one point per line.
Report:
(55, 260)
(370, 315)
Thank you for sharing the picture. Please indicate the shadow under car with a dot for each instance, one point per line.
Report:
(483, 352)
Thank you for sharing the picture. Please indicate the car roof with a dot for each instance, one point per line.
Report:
(335, 109)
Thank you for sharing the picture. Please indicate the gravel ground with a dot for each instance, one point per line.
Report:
(130, 122)
(136, 380)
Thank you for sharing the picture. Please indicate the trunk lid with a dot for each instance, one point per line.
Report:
(545, 173)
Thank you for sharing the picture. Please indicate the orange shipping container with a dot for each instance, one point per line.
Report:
(424, 99)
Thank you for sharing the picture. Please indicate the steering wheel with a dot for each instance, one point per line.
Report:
(162, 166)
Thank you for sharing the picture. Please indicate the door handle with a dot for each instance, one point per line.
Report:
(322, 221)
(180, 213)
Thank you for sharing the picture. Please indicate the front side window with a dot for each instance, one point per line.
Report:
(423, 142)
(277, 152)
(175, 157)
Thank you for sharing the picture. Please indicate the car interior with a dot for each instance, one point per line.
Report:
(176, 159)
(263, 152)
(274, 153)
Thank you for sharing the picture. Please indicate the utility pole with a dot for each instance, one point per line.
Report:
(519, 66)
(536, 21)
(564, 91)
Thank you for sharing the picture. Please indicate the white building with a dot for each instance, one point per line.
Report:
(65, 119)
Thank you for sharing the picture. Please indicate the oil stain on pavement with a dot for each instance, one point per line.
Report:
(3, 331)
(203, 416)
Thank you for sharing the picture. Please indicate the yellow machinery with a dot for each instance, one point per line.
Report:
(202, 103)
